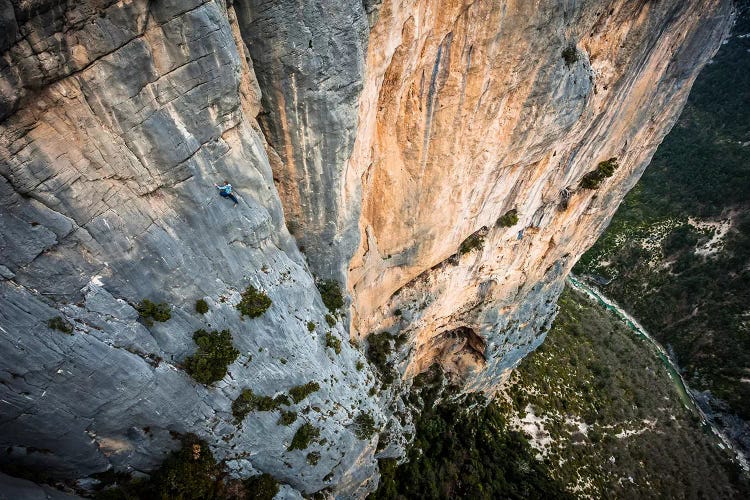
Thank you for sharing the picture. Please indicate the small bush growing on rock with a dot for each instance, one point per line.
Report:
(360, 366)
(190, 472)
(333, 342)
(570, 55)
(330, 320)
(215, 353)
(330, 292)
(313, 457)
(300, 392)
(201, 306)
(509, 219)
(310, 326)
(253, 303)
(364, 426)
(151, 312)
(58, 323)
(473, 242)
(305, 435)
(248, 401)
(287, 418)
(593, 179)
(378, 349)
(262, 487)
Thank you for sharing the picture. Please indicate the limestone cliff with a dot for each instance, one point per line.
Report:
(381, 135)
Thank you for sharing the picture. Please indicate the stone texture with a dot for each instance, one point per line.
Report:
(382, 134)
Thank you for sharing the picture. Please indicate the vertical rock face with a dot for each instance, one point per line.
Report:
(390, 133)
(473, 109)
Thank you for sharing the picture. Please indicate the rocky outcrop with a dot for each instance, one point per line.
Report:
(383, 135)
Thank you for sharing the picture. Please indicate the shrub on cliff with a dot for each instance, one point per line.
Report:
(253, 303)
(378, 349)
(261, 487)
(300, 392)
(364, 426)
(58, 323)
(248, 401)
(215, 353)
(201, 306)
(510, 218)
(305, 435)
(330, 292)
(333, 342)
(593, 179)
(570, 55)
(475, 241)
(150, 312)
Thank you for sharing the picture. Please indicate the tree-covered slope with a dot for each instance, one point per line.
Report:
(593, 413)
(677, 253)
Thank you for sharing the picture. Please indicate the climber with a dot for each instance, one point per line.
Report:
(226, 192)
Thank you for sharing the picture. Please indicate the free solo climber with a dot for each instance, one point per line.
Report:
(225, 191)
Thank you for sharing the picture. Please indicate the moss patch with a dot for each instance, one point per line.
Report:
(215, 353)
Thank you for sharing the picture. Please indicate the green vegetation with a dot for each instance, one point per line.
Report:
(604, 169)
(215, 353)
(602, 407)
(253, 303)
(300, 392)
(247, 401)
(310, 326)
(262, 487)
(330, 292)
(508, 219)
(599, 391)
(287, 418)
(360, 365)
(313, 457)
(330, 320)
(333, 342)
(570, 55)
(150, 312)
(191, 473)
(58, 323)
(464, 449)
(364, 426)
(378, 350)
(306, 433)
(473, 242)
(201, 306)
(693, 302)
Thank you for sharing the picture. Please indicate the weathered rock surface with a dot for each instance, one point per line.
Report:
(388, 132)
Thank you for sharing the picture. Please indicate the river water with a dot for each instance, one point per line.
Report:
(674, 372)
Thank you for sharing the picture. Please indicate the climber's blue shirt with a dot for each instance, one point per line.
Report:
(225, 189)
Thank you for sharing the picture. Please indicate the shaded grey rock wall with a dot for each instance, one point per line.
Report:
(122, 116)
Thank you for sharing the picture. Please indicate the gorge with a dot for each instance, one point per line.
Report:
(443, 163)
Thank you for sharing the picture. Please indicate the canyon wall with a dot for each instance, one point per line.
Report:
(382, 136)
